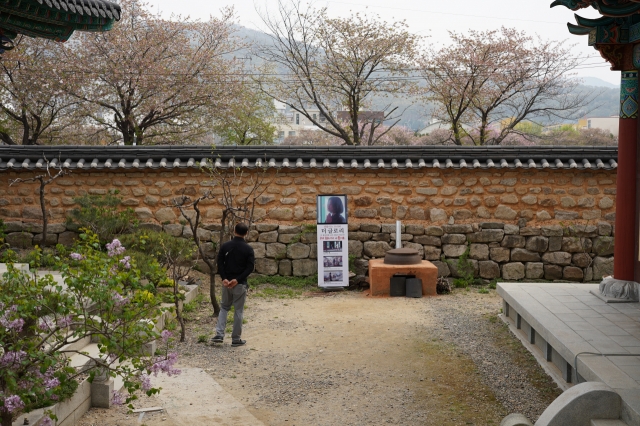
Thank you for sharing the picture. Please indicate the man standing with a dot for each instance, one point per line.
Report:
(235, 262)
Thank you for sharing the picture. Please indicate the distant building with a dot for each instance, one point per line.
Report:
(609, 124)
(291, 122)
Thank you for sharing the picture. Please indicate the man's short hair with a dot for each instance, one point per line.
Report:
(242, 229)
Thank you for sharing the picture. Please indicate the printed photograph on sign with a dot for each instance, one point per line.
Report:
(332, 261)
(333, 276)
(332, 246)
(332, 209)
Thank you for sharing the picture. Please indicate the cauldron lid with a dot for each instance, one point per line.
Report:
(403, 251)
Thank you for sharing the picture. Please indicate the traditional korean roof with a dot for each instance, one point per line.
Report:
(17, 158)
(56, 19)
(620, 21)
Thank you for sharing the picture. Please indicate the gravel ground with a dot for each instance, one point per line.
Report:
(346, 358)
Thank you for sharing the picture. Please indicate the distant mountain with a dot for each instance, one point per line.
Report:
(597, 82)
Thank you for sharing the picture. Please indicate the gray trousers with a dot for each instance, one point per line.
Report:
(236, 297)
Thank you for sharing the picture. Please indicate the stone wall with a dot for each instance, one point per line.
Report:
(522, 224)
(431, 195)
(495, 249)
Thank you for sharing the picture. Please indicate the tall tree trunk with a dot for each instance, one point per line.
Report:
(212, 292)
(6, 418)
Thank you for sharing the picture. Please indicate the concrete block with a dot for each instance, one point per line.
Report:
(515, 420)
(595, 422)
(582, 403)
(101, 392)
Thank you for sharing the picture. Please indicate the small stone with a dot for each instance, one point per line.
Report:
(534, 271)
(513, 271)
(552, 272)
(266, 266)
(370, 228)
(603, 246)
(144, 213)
(165, 215)
(436, 231)
(356, 248)
(19, 239)
(571, 273)
(602, 267)
(376, 249)
(268, 237)
(511, 229)
(537, 244)
(266, 227)
(431, 252)
(491, 225)
(489, 269)
(457, 229)
(487, 236)
(438, 215)
(454, 239)
(576, 244)
(479, 251)
(524, 255)
(581, 260)
(275, 250)
(298, 251)
(605, 203)
(175, 230)
(428, 240)
(281, 213)
(305, 267)
(453, 250)
(557, 258)
(443, 268)
(499, 254)
(504, 212)
(285, 267)
(513, 241)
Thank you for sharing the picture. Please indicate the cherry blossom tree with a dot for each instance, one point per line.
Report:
(154, 80)
(337, 64)
(494, 80)
(33, 107)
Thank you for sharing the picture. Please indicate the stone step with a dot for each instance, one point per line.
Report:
(20, 266)
(608, 423)
(81, 361)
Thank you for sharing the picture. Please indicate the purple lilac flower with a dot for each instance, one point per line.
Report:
(11, 358)
(115, 248)
(51, 383)
(76, 256)
(64, 321)
(117, 398)
(13, 403)
(11, 325)
(120, 300)
(165, 365)
(45, 324)
(146, 382)
(46, 421)
(166, 334)
(125, 262)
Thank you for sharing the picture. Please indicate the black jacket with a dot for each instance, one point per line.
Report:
(236, 260)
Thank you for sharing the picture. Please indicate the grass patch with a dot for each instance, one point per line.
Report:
(280, 287)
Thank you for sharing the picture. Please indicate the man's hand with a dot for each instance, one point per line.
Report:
(233, 283)
(225, 283)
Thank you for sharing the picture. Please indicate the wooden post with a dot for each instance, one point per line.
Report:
(626, 235)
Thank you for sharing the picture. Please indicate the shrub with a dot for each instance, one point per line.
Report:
(100, 215)
(102, 297)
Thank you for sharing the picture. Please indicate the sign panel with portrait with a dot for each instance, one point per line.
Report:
(333, 238)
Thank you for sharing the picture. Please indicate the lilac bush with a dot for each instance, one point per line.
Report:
(103, 298)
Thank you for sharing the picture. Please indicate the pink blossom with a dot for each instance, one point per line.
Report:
(117, 398)
(146, 382)
(115, 248)
(51, 383)
(64, 322)
(12, 358)
(76, 256)
(13, 403)
(165, 365)
(120, 300)
(166, 334)
(125, 262)
(11, 325)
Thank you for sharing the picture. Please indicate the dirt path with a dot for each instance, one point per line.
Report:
(344, 358)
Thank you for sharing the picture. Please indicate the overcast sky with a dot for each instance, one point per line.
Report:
(433, 18)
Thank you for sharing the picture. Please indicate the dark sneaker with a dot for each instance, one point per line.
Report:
(217, 339)
(238, 342)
